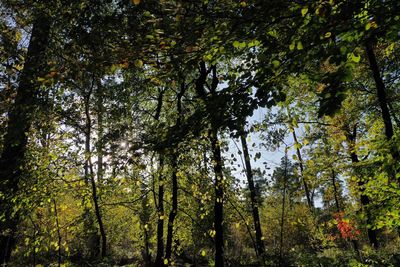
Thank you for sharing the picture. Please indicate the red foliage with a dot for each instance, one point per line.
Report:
(346, 228)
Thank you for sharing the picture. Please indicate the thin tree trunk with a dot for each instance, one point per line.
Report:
(335, 192)
(365, 201)
(173, 213)
(160, 208)
(16, 137)
(98, 212)
(144, 218)
(160, 212)
(100, 131)
(219, 197)
(89, 226)
(283, 214)
(301, 166)
(254, 198)
(89, 174)
(100, 145)
(303, 178)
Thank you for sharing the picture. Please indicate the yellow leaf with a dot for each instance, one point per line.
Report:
(136, 2)
(165, 261)
(203, 253)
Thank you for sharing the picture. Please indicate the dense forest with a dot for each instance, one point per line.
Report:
(200, 133)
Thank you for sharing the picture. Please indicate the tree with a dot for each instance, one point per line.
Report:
(19, 123)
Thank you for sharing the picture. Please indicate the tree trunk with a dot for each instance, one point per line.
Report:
(219, 197)
(144, 219)
(89, 176)
(281, 261)
(160, 208)
(301, 166)
(209, 100)
(335, 192)
(365, 201)
(98, 213)
(100, 145)
(100, 131)
(303, 178)
(173, 213)
(253, 198)
(382, 99)
(16, 137)
(160, 212)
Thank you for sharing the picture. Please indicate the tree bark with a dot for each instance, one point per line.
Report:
(98, 213)
(335, 192)
(254, 198)
(89, 175)
(160, 212)
(209, 100)
(160, 208)
(100, 131)
(301, 166)
(364, 199)
(173, 212)
(281, 261)
(144, 218)
(174, 209)
(219, 198)
(16, 137)
(382, 99)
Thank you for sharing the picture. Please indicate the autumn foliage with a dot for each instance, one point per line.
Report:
(346, 228)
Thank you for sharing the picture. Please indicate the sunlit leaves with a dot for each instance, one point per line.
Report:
(304, 11)
(354, 58)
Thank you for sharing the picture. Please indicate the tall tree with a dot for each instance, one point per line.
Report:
(254, 198)
(19, 123)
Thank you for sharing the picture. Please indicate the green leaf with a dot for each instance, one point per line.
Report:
(138, 63)
(304, 11)
(299, 45)
(276, 63)
(355, 58)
